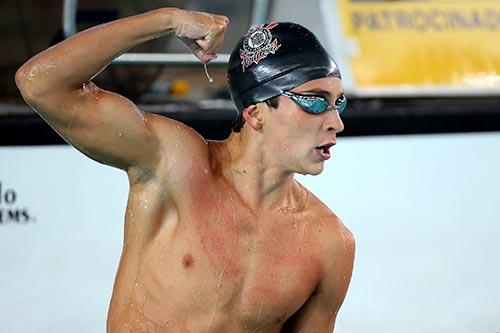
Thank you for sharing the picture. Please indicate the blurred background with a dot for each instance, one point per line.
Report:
(430, 67)
(416, 174)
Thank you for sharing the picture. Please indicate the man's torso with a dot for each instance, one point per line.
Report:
(203, 262)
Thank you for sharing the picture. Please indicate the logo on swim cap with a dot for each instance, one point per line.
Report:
(258, 44)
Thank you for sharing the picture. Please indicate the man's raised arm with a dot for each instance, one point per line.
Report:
(103, 125)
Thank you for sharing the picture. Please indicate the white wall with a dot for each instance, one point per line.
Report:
(56, 271)
(423, 210)
(425, 213)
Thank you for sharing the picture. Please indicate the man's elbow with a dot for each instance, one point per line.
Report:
(24, 81)
(30, 82)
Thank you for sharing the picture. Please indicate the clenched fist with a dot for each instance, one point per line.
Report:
(202, 32)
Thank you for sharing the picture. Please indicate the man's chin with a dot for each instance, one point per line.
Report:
(316, 172)
(313, 170)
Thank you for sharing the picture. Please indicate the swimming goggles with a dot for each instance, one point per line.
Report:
(316, 104)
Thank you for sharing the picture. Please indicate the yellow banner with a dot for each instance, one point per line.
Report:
(423, 43)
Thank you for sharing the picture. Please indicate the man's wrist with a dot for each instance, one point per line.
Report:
(167, 17)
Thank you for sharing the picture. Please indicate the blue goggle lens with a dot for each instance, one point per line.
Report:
(342, 104)
(316, 104)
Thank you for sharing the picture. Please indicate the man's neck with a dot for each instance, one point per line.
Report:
(262, 185)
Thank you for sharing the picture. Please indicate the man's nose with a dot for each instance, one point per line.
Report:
(333, 122)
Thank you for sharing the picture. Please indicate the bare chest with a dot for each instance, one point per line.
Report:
(263, 268)
(227, 268)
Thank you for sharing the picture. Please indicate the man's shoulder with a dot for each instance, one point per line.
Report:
(183, 154)
(334, 243)
(318, 212)
(178, 138)
(332, 233)
(167, 129)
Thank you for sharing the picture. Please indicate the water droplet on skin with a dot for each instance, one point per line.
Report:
(85, 89)
(31, 74)
(205, 171)
(120, 134)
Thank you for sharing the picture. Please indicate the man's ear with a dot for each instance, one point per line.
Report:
(254, 115)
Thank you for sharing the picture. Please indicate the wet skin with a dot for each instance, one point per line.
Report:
(211, 265)
(219, 237)
(199, 258)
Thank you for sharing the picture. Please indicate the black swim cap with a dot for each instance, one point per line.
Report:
(275, 57)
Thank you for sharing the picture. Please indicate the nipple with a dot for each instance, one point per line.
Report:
(210, 79)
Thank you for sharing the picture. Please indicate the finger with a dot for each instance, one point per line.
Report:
(191, 44)
(219, 38)
(209, 46)
(216, 36)
(205, 43)
(211, 43)
(206, 58)
(224, 20)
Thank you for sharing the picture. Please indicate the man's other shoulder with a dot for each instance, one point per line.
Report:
(331, 230)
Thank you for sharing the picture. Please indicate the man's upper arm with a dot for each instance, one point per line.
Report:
(319, 313)
(103, 125)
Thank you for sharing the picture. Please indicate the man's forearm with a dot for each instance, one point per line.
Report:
(69, 64)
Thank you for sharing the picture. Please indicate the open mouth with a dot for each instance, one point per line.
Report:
(326, 147)
(324, 150)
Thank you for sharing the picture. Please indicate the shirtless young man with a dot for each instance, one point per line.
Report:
(219, 237)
